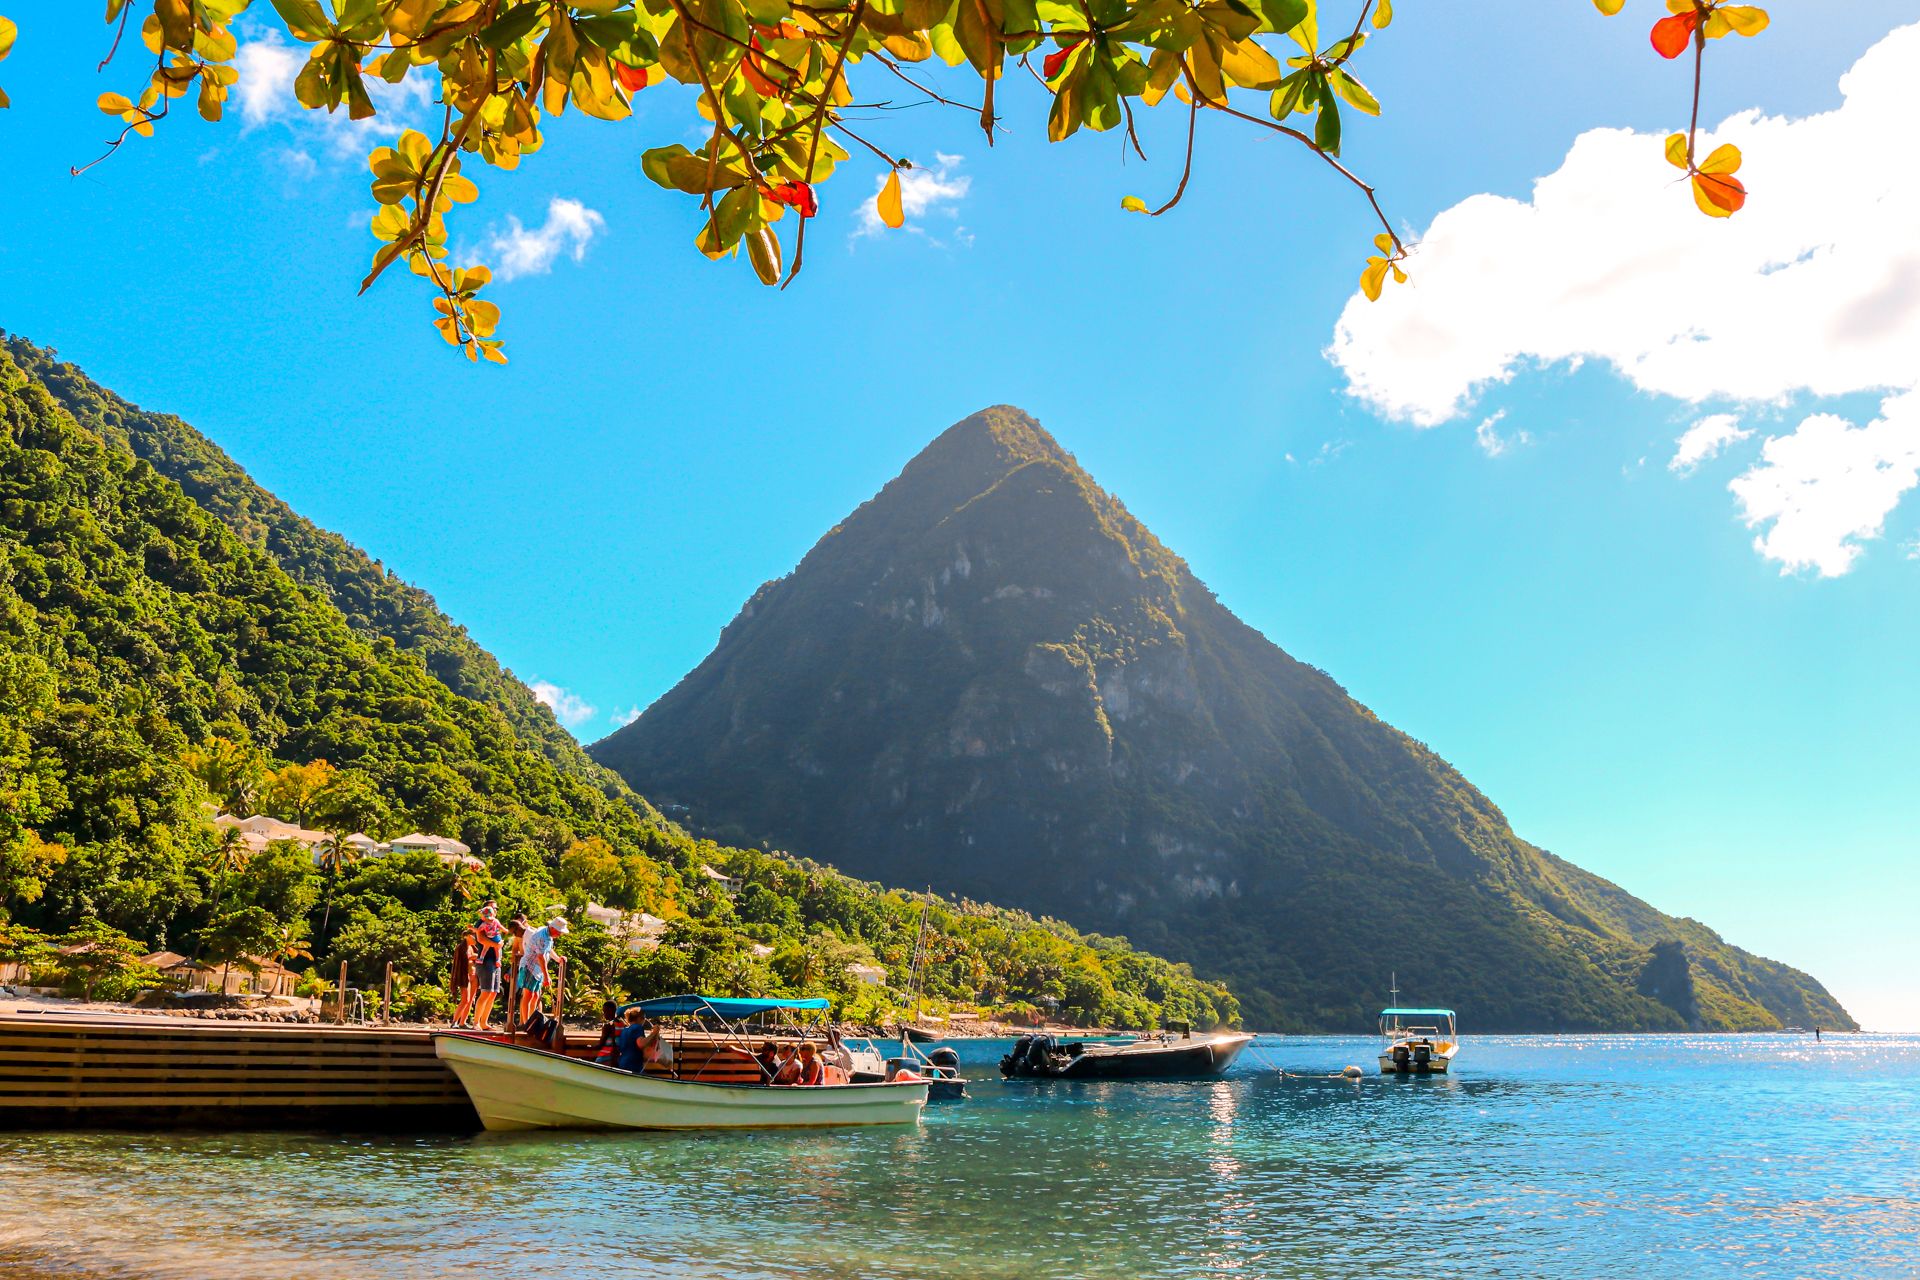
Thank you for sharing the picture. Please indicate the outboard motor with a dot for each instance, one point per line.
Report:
(1422, 1056)
(1400, 1057)
(1014, 1062)
(946, 1061)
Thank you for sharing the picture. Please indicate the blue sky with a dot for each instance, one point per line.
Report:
(1512, 573)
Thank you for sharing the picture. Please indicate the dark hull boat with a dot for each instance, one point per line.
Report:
(1166, 1057)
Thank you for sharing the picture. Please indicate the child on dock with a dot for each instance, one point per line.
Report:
(489, 939)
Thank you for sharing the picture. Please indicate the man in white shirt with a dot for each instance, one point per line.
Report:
(536, 953)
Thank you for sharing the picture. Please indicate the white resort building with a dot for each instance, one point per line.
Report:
(259, 831)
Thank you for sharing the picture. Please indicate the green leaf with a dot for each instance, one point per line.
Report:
(1326, 129)
(513, 24)
(1354, 92)
(304, 19)
(1283, 15)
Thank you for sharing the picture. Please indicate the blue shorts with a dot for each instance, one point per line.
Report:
(489, 979)
(531, 981)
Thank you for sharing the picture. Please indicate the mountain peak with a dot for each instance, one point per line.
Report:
(992, 678)
(979, 451)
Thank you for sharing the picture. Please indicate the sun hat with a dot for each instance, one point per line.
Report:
(558, 924)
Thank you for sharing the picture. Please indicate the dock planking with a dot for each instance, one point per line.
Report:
(67, 1071)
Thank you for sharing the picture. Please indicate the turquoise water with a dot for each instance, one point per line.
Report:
(1585, 1157)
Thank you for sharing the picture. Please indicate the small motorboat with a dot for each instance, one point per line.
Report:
(1171, 1055)
(713, 1082)
(1419, 1042)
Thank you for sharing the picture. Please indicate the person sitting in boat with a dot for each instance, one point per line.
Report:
(536, 955)
(768, 1057)
(788, 1069)
(610, 1025)
(804, 1068)
(630, 1043)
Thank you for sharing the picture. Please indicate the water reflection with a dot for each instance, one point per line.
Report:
(1543, 1157)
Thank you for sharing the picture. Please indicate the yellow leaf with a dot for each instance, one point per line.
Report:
(1383, 242)
(1373, 278)
(1133, 204)
(887, 203)
(1383, 12)
(1725, 159)
(1677, 150)
(7, 33)
(1747, 19)
(1707, 206)
(458, 189)
(1608, 7)
(114, 103)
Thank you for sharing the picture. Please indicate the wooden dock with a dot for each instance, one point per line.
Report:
(70, 1071)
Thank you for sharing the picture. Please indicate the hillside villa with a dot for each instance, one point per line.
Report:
(259, 831)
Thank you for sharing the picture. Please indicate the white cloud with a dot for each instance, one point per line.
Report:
(1812, 290)
(1831, 484)
(1491, 442)
(922, 191)
(1705, 439)
(530, 251)
(569, 708)
(624, 718)
(268, 65)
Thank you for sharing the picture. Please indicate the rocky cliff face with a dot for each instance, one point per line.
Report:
(993, 679)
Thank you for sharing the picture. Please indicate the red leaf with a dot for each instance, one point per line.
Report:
(749, 67)
(798, 195)
(632, 79)
(1722, 190)
(1050, 67)
(1672, 35)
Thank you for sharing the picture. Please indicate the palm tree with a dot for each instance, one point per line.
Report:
(335, 856)
(231, 854)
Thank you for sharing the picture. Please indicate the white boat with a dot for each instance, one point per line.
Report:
(1419, 1042)
(517, 1087)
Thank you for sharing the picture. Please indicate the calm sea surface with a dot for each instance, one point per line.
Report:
(1590, 1157)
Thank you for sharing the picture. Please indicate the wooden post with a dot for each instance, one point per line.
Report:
(386, 997)
(340, 1014)
(559, 989)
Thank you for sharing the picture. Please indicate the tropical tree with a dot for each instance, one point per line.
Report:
(295, 791)
(777, 96)
(239, 936)
(230, 771)
(96, 959)
(336, 856)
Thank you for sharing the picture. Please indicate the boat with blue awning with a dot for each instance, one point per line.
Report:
(1419, 1042)
(708, 1079)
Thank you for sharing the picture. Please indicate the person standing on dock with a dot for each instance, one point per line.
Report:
(536, 955)
(490, 937)
(465, 975)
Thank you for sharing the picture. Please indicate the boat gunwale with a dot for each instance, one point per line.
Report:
(472, 1038)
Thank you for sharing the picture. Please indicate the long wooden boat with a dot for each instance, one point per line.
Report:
(517, 1087)
(1162, 1057)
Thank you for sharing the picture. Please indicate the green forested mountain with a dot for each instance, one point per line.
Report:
(992, 678)
(375, 602)
(172, 638)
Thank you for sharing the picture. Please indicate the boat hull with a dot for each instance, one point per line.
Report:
(1195, 1059)
(515, 1088)
(1434, 1066)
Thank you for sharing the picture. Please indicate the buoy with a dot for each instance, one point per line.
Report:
(1352, 1073)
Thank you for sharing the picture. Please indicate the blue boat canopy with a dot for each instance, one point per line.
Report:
(1417, 1013)
(721, 1006)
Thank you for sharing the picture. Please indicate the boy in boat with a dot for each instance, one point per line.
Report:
(488, 938)
(631, 1042)
(769, 1060)
(608, 1048)
(536, 954)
